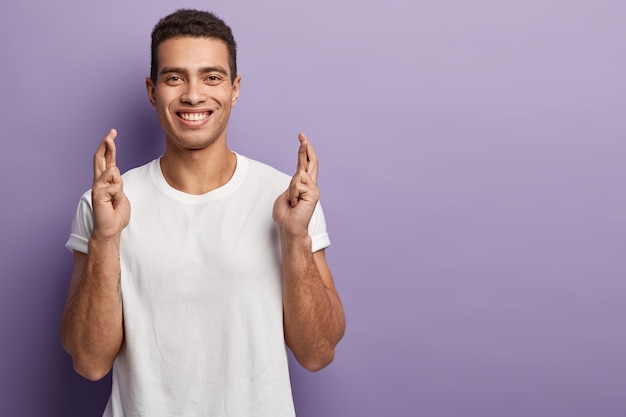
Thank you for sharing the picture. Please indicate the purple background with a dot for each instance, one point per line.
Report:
(472, 171)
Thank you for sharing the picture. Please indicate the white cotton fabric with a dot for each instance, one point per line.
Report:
(202, 297)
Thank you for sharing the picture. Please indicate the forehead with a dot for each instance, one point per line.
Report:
(189, 52)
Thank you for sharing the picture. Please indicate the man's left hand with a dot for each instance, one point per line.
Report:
(293, 208)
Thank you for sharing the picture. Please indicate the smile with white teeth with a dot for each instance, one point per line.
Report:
(194, 117)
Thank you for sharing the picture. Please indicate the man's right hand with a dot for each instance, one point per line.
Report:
(110, 206)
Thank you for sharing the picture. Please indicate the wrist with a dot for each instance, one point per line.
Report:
(296, 240)
(98, 241)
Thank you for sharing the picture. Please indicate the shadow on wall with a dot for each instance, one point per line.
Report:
(81, 397)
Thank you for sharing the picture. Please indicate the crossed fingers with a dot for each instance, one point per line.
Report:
(307, 160)
(303, 185)
(110, 206)
(104, 157)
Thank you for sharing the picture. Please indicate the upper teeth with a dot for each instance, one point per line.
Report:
(194, 116)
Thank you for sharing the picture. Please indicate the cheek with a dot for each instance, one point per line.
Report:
(162, 104)
(162, 112)
(165, 97)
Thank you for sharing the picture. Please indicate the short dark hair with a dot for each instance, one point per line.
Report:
(196, 24)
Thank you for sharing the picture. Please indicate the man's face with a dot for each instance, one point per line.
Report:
(193, 94)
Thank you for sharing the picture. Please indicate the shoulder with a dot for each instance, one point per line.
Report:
(263, 171)
(141, 172)
(261, 179)
(140, 179)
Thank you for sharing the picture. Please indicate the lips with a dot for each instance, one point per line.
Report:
(194, 116)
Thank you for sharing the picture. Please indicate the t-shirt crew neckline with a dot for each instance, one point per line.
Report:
(233, 183)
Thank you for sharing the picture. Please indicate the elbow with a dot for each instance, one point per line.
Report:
(318, 361)
(90, 370)
(315, 356)
(316, 366)
(90, 366)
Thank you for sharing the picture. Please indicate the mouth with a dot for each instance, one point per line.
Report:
(194, 116)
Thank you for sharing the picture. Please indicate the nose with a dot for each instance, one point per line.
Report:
(194, 93)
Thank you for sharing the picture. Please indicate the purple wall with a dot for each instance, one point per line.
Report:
(473, 160)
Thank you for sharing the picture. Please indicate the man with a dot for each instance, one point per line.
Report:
(192, 298)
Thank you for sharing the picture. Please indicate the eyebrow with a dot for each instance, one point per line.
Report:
(203, 70)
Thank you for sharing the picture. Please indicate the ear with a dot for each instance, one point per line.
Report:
(150, 90)
(236, 87)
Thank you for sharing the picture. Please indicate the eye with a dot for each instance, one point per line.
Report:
(213, 79)
(173, 79)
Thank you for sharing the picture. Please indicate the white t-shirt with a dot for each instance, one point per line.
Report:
(202, 297)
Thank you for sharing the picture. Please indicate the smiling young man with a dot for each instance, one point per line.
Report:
(193, 299)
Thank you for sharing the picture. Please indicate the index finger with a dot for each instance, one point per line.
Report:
(105, 154)
(307, 159)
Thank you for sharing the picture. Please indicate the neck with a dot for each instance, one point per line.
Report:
(198, 171)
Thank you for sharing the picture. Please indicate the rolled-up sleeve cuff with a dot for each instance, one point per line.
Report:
(76, 243)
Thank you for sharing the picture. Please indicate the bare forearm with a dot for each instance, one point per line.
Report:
(313, 316)
(92, 329)
(314, 320)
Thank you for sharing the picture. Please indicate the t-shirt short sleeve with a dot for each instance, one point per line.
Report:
(317, 230)
(82, 225)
